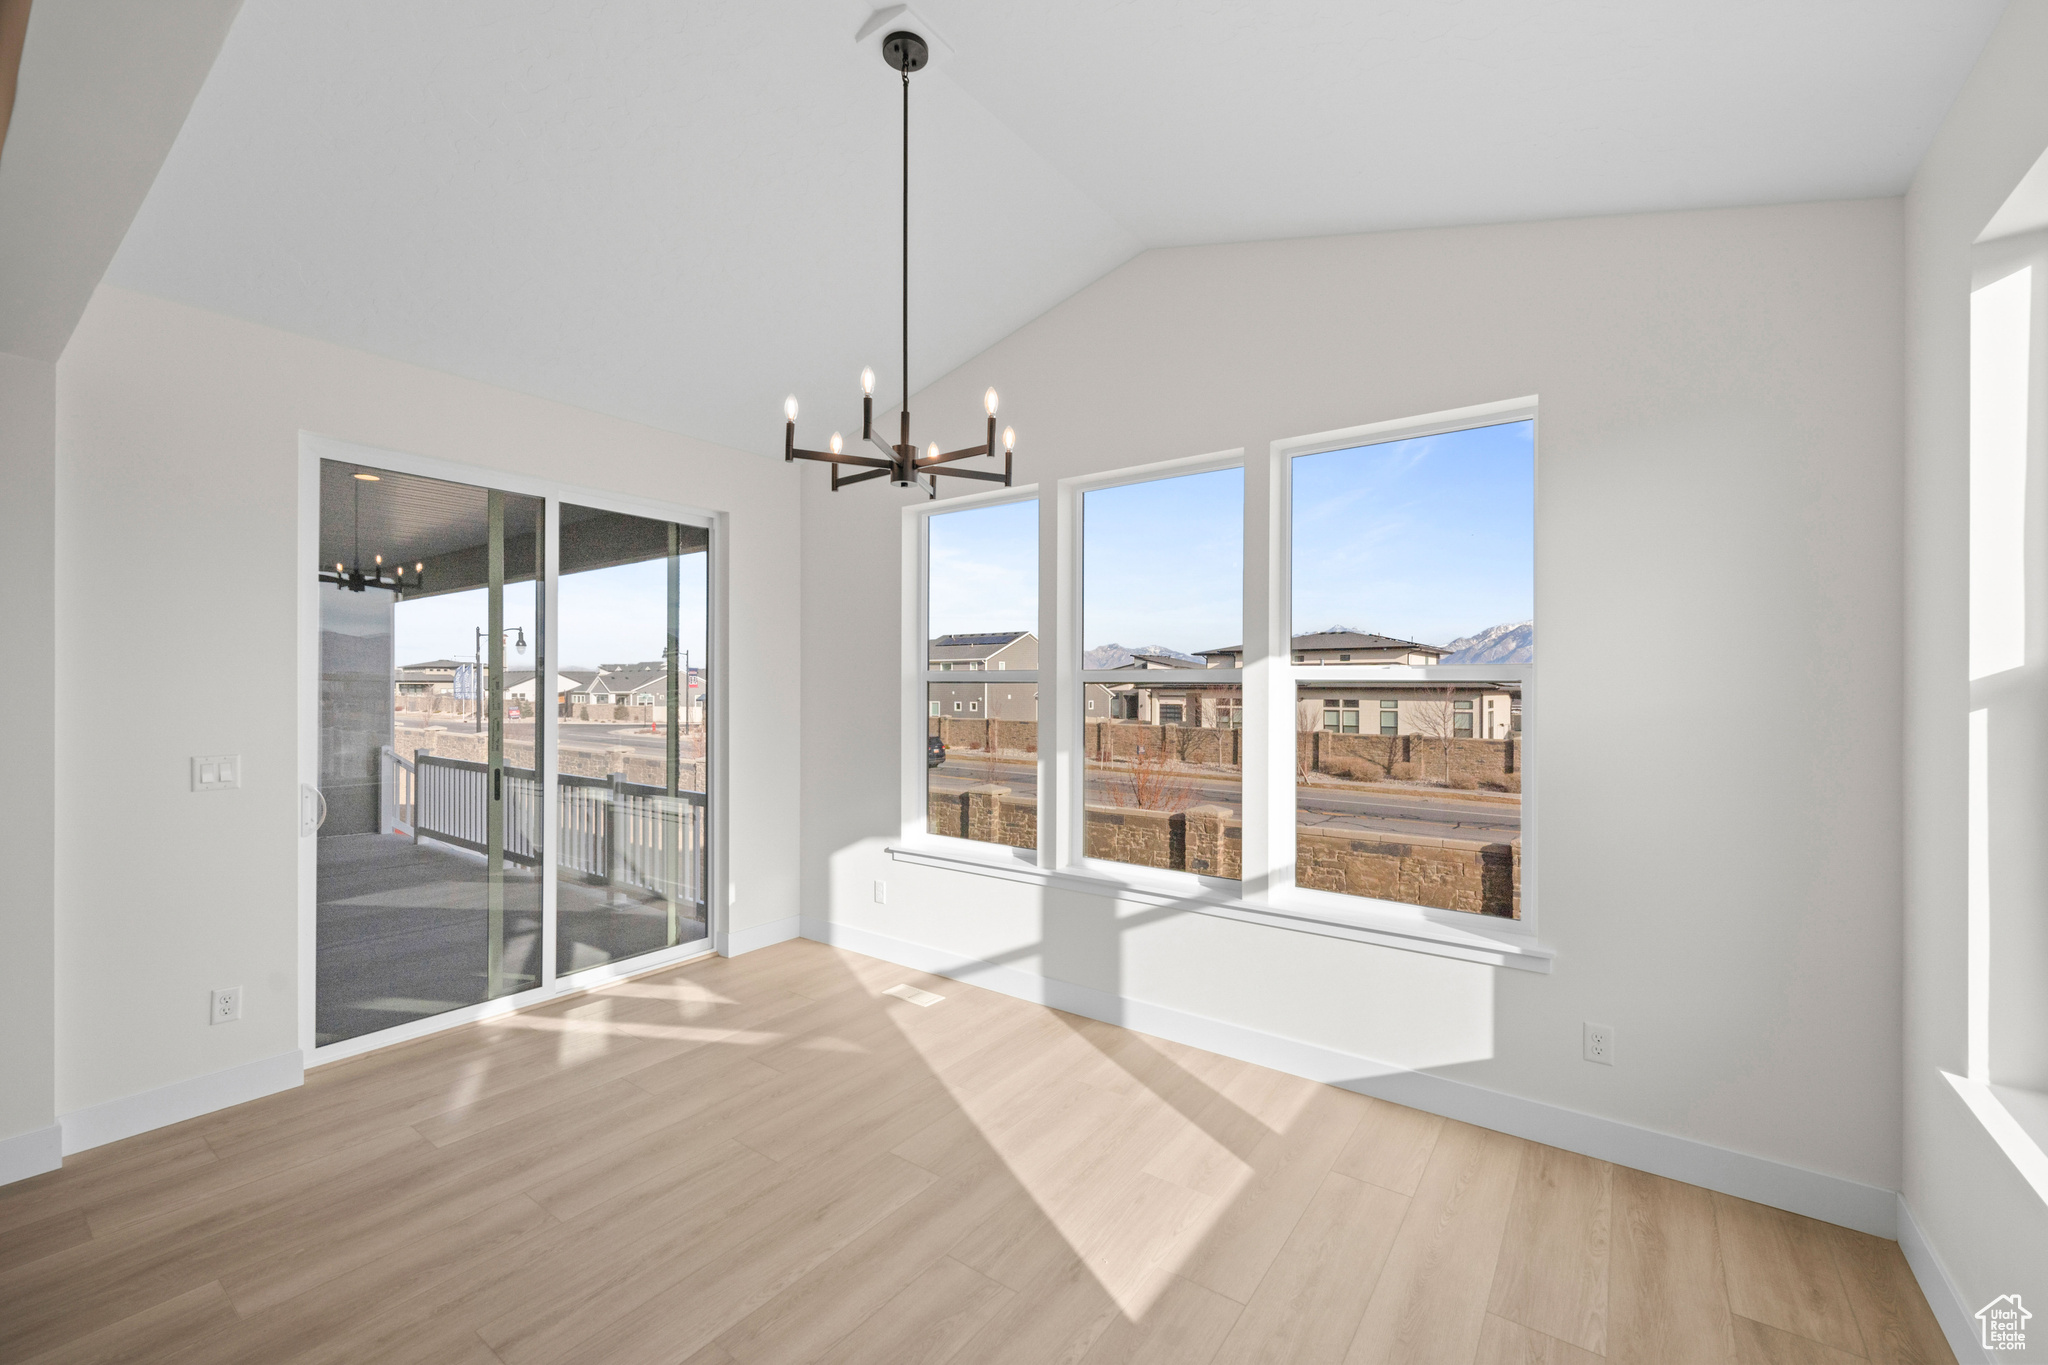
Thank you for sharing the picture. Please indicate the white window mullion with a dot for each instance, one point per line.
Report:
(1063, 809)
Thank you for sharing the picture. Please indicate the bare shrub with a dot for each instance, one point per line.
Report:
(1150, 781)
(1404, 772)
(1464, 783)
(1509, 782)
(1354, 769)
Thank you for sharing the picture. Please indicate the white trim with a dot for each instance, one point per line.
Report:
(765, 935)
(1958, 1322)
(31, 1153)
(99, 1124)
(1492, 942)
(1830, 1198)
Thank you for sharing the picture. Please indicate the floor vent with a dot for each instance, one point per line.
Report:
(914, 995)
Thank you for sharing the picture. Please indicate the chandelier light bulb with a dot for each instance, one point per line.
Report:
(337, 567)
(837, 444)
(931, 452)
(989, 400)
(789, 408)
(1009, 438)
(419, 568)
(867, 381)
(379, 559)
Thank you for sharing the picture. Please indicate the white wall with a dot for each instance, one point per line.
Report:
(28, 623)
(1980, 1217)
(1719, 508)
(177, 565)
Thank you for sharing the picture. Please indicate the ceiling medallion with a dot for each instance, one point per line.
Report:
(905, 52)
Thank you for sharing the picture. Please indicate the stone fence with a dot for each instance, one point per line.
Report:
(646, 769)
(1446, 874)
(1473, 762)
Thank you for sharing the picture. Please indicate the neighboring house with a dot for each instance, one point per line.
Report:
(989, 699)
(1208, 707)
(639, 684)
(435, 676)
(1460, 710)
(1339, 647)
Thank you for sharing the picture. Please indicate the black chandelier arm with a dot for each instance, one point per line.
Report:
(839, 482)
(966, 453)
(988, 476)
(829, 458)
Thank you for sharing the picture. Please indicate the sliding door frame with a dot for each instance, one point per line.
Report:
(313, 448)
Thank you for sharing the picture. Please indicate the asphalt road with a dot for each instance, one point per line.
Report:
(600, 735)
(1432, 816)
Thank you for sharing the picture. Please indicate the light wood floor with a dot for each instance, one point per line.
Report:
(765, 1159)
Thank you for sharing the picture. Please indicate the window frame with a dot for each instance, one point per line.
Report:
(919, 677)
(1268, 675)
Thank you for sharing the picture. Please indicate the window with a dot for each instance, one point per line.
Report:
(1162, 780)
(1409, 549)
(981, 598)
(1393, 548)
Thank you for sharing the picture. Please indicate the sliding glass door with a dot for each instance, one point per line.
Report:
(632, 855)
(513, 765)
(431, 842)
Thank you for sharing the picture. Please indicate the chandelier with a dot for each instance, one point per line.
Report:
(905, 52)
(376, 576)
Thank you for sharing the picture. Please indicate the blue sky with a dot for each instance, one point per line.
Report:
(608, 616)
(984, 569)
(1427, 539)
(1164, 563)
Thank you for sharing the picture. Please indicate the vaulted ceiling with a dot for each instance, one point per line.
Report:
(677, 212)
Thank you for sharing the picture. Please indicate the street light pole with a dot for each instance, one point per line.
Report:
(476, 677)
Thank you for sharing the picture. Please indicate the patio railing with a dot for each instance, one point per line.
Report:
(609, 832)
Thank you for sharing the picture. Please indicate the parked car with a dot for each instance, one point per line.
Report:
(934, 751)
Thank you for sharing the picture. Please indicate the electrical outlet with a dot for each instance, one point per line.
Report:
(227, 1005)
(881, 893)
(1600, 1044)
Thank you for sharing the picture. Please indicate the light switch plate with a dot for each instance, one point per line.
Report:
(216, 772)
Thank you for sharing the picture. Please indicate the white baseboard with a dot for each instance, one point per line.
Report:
(1832, 1199)
(1958, 1322)
(739, 941)
(99, 1124)
(31, 1153)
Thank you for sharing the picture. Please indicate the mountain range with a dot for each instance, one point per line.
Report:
(1511, 643)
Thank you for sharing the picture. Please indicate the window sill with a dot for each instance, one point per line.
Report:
(2017, 1120)
(1493, 942)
